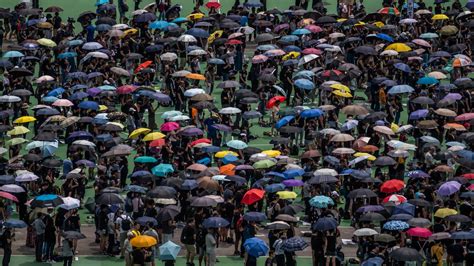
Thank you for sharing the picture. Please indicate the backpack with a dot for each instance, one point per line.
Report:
(126, 223)
(128, 205)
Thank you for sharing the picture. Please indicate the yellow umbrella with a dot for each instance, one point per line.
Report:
(370, 156)
(439, 17)
(221, 154)
(195, 76)
(340, 87)
(24, 119)
(216, 34)
(360, 23)
(287, 194)
(379, 24)
(443, 212)
(16, 141)
(291, 55)
(153, 135)
(143, 241)
(342, 93)
(139, 131)
(18, 130)
(46, 42)
(195, 16)
(341, 19)
(129, 32)
(399, 47)
(306, 21)
(394, 127)
(102, 108)
(272, 153)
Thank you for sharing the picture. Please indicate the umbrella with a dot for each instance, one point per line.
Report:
(406, 254)
(294, 244)
(392, 186)
(365, 232)
(256, 247)
(73, 235)
(215, 222)
(372, 217)
(14, 223)
(325, 224)
(143, 241)
(278, 225)
(419, 222)
(255, 216)
(252, 196)
(321, 201)
(395, 225)
(163, 192)
(203, 202)
(449, 188)
(168, 213)
(109, 199)
(419, 232)
(237, 144)
(169, 251)
(46, 200)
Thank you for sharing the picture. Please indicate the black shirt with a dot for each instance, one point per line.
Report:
(138, 257)
(457, 252)
(187, 236)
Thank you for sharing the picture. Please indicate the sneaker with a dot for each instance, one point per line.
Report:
(52, 261)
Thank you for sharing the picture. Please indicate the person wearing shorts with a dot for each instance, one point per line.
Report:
(188, 238)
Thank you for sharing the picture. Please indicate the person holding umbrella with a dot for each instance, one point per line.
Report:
(67, 252)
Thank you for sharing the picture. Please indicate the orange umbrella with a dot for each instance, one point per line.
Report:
(455, 126)
(228, 169)
(197, 167)
(143, 66)
(157, 143)
(368, 148)
(252, 196)
(195, 76)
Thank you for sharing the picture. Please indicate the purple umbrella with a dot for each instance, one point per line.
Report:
(281, 27)
(418, 114)
(161, 97)
(244, 167)
(453, 96)
(94, 91)
(370, 208)
(222, 127)
(293, 183)
(87, 163)
(191, 132)
(449, 188)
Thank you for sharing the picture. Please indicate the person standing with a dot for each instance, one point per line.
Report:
(39, 227)
(67, 252)
(7, 246)
(49, 238)
(188, 238)
(211, 247)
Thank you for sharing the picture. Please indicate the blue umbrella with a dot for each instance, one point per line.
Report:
(384, 37)
(312, 113)
(207, 160)
(470, 4)
(325, 224)
(144, 220)
(159, 24)
(321, 201)
(162, 169)
(284, 121)
(301, 32)
(189, 184)
(216, 61)
(89, 105)
(237, 144)
(256, 247)
(289, 38)
(464, 235)
(429, 35)
(210, 149)
(375, 261)
(215, 222)
(141, 173)
(101, 2)
(77, 75)
(359, 174)
(292, 173)
(415, 6)
(266, 47)
(307, 74)
(294, 244)
(7, 179)
(401, 89)
(292, 48)
(75, 42)
(403, 67)
(277, 174)
(46, 200)
(179, 20)
(427, 81)
(272, 188)
(56, 92)
(395, 225)
(304, 84)
(169, 251)
(49, 99)
(198, 32)
(290, 62)
(67, 55)
(103, 27)
(254, 217)
(47, 111)
(12, 54)
(229, 158)
(14, 223)
(417, 174)
(404, 208)
(419, 114)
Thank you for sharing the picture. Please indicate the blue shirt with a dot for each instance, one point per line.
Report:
(90, 33)
(244, 20)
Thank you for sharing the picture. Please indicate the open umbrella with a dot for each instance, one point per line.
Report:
(256, 247)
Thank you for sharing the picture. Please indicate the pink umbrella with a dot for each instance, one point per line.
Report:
(126, 89)
(471, 187)
(63, 103)
(465, 117)
(312, 51)
(421, 42)
(169, 126)
(7, 195)
(313, 28)
(419, 232)
(259, 59)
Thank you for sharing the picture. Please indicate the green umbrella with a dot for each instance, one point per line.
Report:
(16, 141)
(145, 159)
(263, 164)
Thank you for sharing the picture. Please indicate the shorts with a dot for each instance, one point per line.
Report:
(331, 254)
(201, 251)
(191, 248)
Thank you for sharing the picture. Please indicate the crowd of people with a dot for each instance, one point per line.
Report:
(272, 132)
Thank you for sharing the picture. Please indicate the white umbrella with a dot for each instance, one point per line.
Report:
(181, 73)
(365, 232)
(229, 110)
(84, 142)
(169, 56)
(98, 55)
(70, 203)
(12, 188)
(139, 12)
(44, 78)
(307, 58)
(384, 130)
(343, 151)
(9, 99)
(197, 52)
(389, 53)
(179, 118)
(325, 171)
(358, 160)
(329, 131)
(26, 177)
(120, 27)
(186, 38)
(247, 30)
(258, 157)
(192, 92)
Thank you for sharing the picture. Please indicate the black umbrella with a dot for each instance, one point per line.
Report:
(52, 163)
(401, 217)
(406, 254)
(109, 199)
(86, 15)
(362, 193)
(31, 157)
(21, 92)
(323, 179)
(265, 37)
(45, 136)
(325, 224)
(162, 192)
(384, 238)
(384, 161)
(326, 20)
(255, 216)
(458, 218)
(267, 77)
(106, 20)
(290, 129)
(423, 100)
(292, 209)
(203, 202)
(20, 72)
(168, 213)
(286, 218)
(73, 235)
(372, 217)
(366, 50)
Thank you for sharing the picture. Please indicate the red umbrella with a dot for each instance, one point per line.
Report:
(397, 199)
(419, 232)
(9, 196)
(331, 73)
(392, 186)
(273, 101)
(169, 126)
(157, 143)
(126, 89)
(252, 196)
(471, 187)
(143, 65)
(215, 5)
(203, 140)
(468, 176)
(233, 42)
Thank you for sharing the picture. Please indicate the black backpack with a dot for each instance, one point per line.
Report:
(126, 224)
